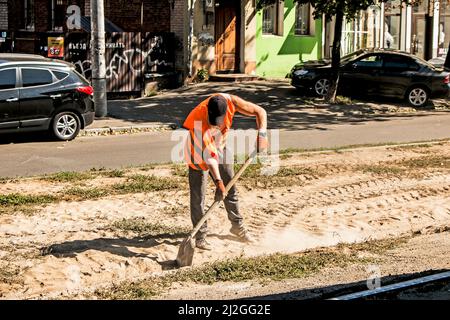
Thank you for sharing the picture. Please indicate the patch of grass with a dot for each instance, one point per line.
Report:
(285, 156)
(274, 267)
(343, 100)
(141, 228)
(68, 176)
(376, 246)
(382, 169)
(407, 167)
(132, 291)
(142, 183)
(4, 180)
(138, 183)
(77, 193)
(180, 170)
(356, 146)
(17, 199)
(263, 268)
(285, 176)
(426, 162)
(410, 147)
(9, 274)
(175, 210)
(254, 171)
(270, 267)
(113, 173)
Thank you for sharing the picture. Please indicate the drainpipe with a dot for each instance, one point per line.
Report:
(191, 36)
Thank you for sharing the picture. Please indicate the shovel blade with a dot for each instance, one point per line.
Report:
(186, 253)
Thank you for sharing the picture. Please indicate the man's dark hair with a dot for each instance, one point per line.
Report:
(217, 107)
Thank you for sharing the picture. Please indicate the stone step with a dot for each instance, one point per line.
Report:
(232, 77)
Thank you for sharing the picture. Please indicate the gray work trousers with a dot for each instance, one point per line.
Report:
(197, 186)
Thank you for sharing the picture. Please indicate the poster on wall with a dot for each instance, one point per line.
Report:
(55, 47)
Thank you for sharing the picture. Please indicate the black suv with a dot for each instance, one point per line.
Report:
(37, 94)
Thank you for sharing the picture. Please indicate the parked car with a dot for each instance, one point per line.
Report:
(38, 94)
(386, 73)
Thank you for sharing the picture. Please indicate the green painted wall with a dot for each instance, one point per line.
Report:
(276, 55)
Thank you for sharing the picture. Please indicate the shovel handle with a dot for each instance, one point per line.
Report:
(227, 188)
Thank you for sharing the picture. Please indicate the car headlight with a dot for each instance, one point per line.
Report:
(300, 72)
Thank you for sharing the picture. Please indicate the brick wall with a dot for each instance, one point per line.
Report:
(42, 15)
(127, 15)
(15, 14)
(178, 25)
(3, 14)
(87, 8)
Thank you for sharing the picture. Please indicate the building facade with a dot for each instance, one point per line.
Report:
(143, 37)
(286, 34)
(422, 29)
(221, 34)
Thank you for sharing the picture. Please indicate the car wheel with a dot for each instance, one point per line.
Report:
(417, 96)
(66, 125)
(322, 86)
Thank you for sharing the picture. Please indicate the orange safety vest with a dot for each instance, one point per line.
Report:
(200, 143)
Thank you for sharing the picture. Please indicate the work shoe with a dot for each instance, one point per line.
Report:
(241, 233)
(202, 244)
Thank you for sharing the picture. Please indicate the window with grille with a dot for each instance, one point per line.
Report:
(302, 19)
(28, 22)
(273, 18)
(59, 8)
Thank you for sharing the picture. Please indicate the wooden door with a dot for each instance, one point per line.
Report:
(227, 37)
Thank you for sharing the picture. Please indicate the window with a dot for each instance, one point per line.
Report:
(399, 63)
(36, 77)
(60, 75)
(7, 79)
(59, 8)
(372, 61)
(28, 23)
(273, 18)
(392, 24)
(302, 19)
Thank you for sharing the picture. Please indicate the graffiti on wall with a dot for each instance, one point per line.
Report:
(128, 58)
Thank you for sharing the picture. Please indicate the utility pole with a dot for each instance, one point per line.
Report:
(98, 57)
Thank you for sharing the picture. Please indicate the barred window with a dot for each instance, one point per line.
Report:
(28, 23)
(302, 19)
(273, 18)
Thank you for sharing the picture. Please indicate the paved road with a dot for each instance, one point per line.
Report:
(32, 155)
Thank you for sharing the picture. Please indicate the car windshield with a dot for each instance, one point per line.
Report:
(350, 56)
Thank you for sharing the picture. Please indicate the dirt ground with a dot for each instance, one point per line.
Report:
(67, 247)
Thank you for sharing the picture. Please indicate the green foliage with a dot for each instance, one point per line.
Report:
(329, 8)
(202, 75)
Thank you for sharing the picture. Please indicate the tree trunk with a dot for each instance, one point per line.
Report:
(447, 58)
(335, 57)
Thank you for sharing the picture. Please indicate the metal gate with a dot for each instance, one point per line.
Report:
(129, 56)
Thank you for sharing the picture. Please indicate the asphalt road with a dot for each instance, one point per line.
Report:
(31, 154)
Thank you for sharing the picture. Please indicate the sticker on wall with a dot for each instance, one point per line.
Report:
(55, 47)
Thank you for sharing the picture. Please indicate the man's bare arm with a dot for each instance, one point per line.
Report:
(252, 110)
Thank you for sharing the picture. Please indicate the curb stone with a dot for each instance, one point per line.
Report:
(126, 129)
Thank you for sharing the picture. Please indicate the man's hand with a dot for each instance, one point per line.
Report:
(220, 191)
(262, 143)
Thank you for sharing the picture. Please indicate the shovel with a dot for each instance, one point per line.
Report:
(187, 247)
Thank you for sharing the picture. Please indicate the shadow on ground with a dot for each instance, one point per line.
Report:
(333, 291)
(287, 108)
